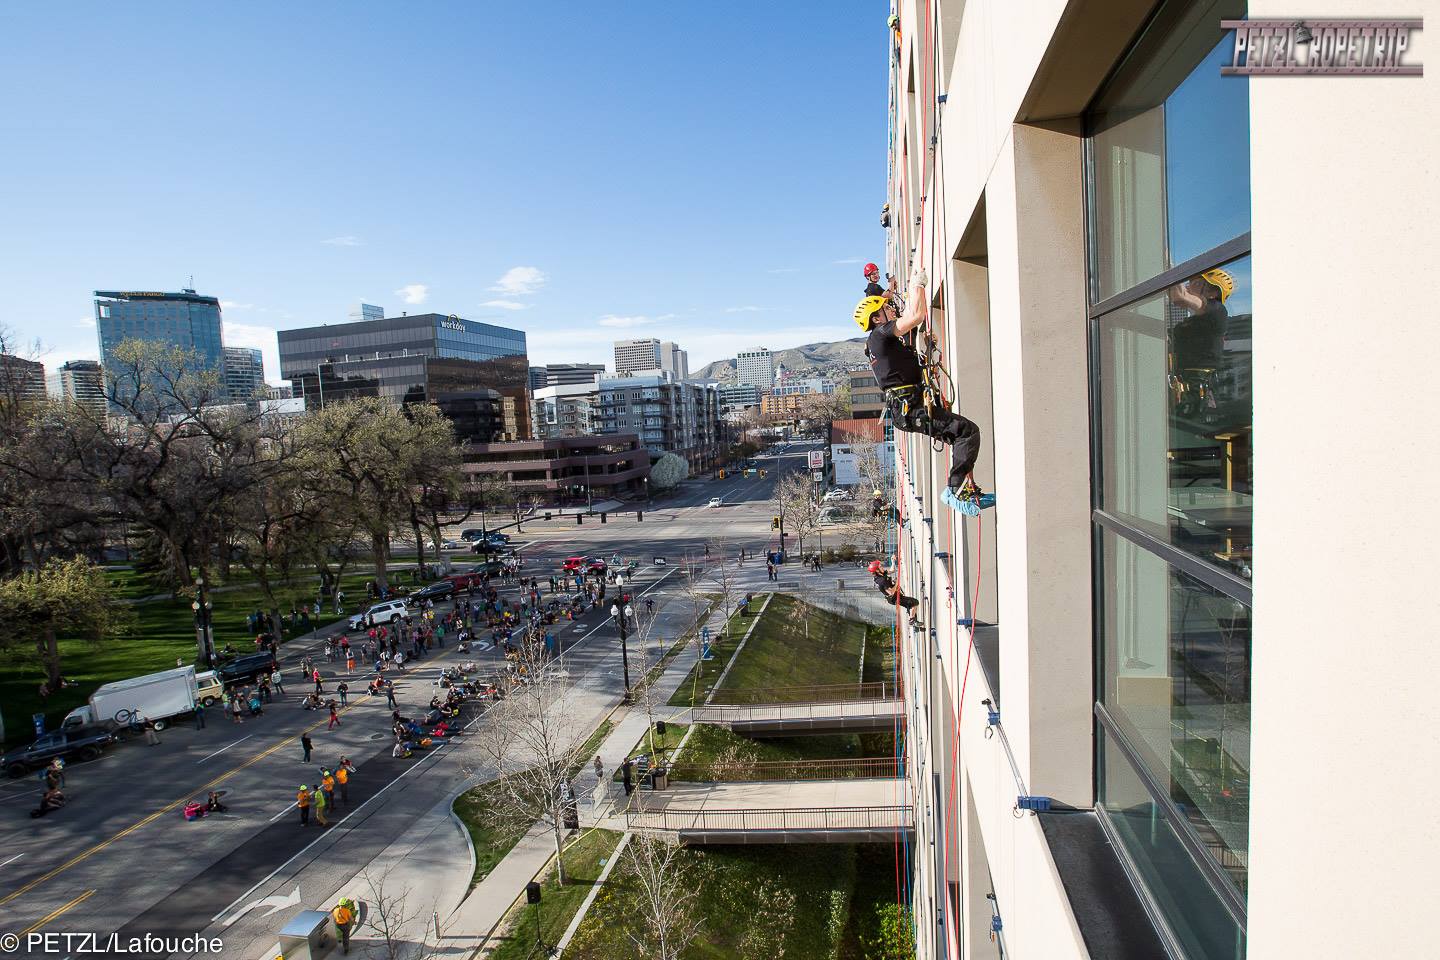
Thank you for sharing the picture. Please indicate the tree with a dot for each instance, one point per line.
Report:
(797, 507)
(665, 893)
(391, 917)
(371, 457)
(531, 741)
(64, 598)
(668, 471)
(706, 583)
(875, 464)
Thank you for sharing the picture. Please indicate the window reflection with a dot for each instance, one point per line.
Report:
(1175, 415)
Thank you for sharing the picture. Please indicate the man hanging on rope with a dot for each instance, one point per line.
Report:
(900, 374)
(872, 283)
(891, 592)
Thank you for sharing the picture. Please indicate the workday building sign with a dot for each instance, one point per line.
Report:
(1322, 48)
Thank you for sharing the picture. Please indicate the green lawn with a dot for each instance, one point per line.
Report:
(164, 630)
(492, 841)
(712, 752)
(796, 645)
(697, 684)
(817, 901)
(584, 859)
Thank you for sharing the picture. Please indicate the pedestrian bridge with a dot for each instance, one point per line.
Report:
(819, 709)
(871, 810)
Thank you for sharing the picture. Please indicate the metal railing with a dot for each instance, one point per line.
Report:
(741, 712)
(756, 771)
(809, 693)
(779, 819)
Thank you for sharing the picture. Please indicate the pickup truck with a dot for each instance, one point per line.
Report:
(81, 745)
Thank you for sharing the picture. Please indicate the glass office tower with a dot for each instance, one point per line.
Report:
(186, 319)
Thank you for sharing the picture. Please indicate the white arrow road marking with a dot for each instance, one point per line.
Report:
(276, 903)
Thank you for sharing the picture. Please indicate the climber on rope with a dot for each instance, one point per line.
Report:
(901, 375)
(872, 283)
(891, 592)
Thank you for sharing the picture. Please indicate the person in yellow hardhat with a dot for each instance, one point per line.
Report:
(1197, 342)
(344, 914)
(899, 373)
(302, 800)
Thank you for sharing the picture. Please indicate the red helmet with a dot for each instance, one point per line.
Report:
(871, 271)
(876, 566)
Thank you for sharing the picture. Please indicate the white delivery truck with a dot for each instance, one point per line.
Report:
(155, 696)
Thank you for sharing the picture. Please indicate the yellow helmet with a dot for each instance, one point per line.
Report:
(866, 309)
(1222, 280)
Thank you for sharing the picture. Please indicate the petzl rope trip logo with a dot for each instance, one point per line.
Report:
(1346, 48)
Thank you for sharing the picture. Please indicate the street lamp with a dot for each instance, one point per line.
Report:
(621, 617)
(204, 634)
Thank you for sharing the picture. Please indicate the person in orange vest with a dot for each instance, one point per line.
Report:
(302, 800)
(344, 916)
(342, 777)
(327, 787)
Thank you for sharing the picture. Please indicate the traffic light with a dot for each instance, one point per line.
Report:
(774, 523)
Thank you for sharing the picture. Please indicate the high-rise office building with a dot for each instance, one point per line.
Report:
(755, 368)
(81, 382)
(21, 379)
(186, 320)
(668, 416)
(632, 356)
(674, 360)
(476, 373)
(244, 374)
(564, 374)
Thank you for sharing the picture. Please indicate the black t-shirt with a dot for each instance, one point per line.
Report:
(894, 363)
(1198, 341)
(873, 289)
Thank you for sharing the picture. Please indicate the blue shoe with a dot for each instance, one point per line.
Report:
(965, 505)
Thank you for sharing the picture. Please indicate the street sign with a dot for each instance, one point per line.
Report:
(817, 459)
(819, 476)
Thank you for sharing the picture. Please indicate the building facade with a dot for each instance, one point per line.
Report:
(860, 454)
(632, 356)
(477, 373)
(565, 410)
(1101, 215)
(81, 382)
(569, 470)
(755, 368)
(867, 400)
(735, 400)
(22, 379)
(667, 416)
(186, 320)
(244, 374)
(565, 374)
(674, 361)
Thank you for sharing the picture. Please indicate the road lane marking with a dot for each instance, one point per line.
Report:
(12, 859)
(326, 833)
(87, 854)
(223, 749)
(55, 913)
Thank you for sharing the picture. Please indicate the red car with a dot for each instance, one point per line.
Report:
(588, 564)
(573, 564)
(463, 580)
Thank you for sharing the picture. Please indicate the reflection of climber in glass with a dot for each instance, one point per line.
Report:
(1197, 343)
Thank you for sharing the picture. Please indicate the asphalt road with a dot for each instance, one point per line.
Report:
(121, 857)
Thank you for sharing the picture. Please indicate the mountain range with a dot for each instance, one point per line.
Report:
(809, 360)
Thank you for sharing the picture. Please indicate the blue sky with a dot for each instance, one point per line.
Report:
(707, 173)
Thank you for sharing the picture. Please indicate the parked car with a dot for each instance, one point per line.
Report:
(209, 688)
(573, 564)
(79, 745)
(491, 567)
(839, 493)
(472, 534)
(499, 538)
(386, 612)
(455, 545)
(596, 565)
(438, 590)
(715, 502)
(246, 668)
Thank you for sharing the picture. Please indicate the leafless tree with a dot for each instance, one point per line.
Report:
(665, 897)
(797, 507)
(391, 916)
(531, 742)
(877, 473)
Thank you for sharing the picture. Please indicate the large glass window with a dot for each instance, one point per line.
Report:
(1171, 295)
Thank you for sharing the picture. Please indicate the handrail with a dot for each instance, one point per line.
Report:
(730, 712)
(826, 692)
(778, 818)
(748, 772)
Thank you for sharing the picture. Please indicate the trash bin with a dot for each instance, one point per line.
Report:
(308, 936)
(661, 778)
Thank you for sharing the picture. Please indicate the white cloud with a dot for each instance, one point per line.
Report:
(746, 309)
(610, 320)
(520, 281)
(345, 241)
(413, 293)
(259, 337)
(505, 305)
(847, 260)
(86, 322)
(232, 305)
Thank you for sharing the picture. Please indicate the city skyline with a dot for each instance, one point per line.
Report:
(287, 232)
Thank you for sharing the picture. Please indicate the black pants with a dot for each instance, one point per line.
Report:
(908, 413)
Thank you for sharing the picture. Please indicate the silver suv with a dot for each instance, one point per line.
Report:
(387, 612)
